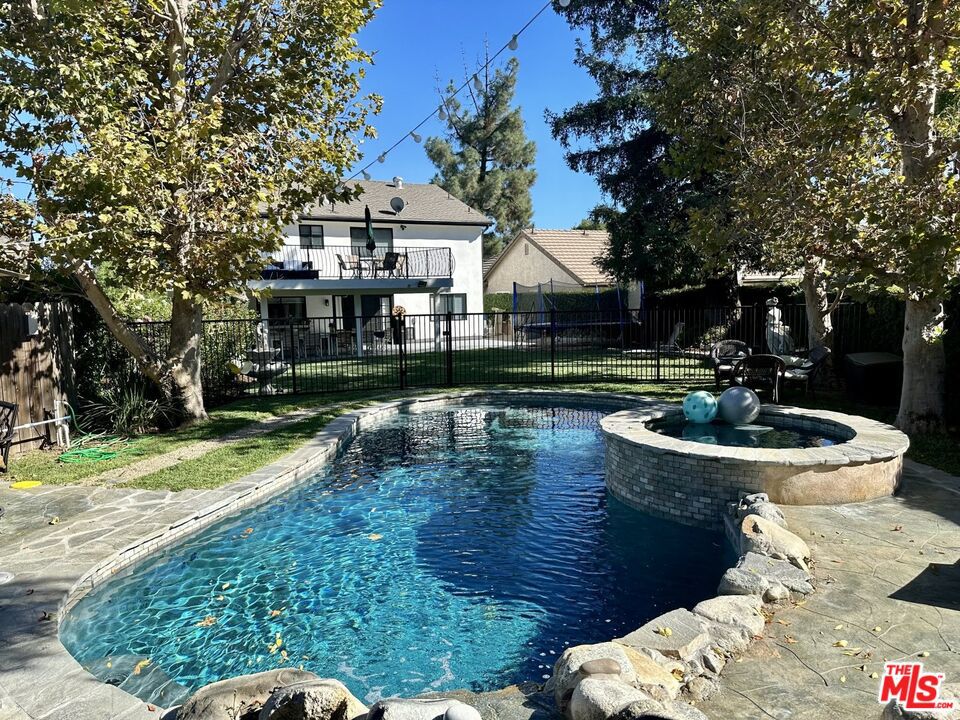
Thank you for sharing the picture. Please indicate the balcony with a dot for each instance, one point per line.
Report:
(292, 262)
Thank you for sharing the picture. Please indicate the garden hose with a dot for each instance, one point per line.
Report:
(99, 448)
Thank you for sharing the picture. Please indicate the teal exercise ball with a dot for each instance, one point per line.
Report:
(739, 405)
(700, 407)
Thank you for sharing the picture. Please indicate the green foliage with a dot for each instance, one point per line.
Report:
(485, 159)
(616, 138)
(498, 302)
(591, 223)
(171, 140)
(124, 407)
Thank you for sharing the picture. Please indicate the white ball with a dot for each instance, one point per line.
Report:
(738, 405)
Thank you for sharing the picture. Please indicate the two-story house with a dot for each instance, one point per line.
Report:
(426, 256)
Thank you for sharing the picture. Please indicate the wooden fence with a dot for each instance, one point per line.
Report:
(35, 369)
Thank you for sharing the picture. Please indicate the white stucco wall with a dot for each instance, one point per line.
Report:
(524, 263)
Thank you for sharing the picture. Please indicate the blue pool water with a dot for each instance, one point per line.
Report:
(460, 548)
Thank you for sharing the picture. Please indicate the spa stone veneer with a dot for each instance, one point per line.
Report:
(692, 482)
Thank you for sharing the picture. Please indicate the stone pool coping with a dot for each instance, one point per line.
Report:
(32, 607)
(865, 440)
(692, 482)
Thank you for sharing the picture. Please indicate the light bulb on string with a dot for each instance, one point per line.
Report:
(563, 3)
(514, 42)
(416, 138)
(441, 113)
(477, 84)
(382, 158)
(366, 175)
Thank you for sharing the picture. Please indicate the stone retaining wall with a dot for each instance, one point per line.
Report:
(692, 483)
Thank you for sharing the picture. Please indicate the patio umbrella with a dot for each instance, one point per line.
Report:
(371, 241)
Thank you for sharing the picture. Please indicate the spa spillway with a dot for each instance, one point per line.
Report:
(689, 474)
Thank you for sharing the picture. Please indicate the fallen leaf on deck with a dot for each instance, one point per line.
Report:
(665, 631)
(840, 643)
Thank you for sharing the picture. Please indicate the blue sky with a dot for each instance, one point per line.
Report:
(416, 41)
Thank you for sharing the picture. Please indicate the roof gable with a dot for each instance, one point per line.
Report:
(573, 250)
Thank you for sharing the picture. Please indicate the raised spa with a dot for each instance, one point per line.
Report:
(461, 547)
(662, 465)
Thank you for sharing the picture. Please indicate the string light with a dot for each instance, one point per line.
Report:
(441, 111)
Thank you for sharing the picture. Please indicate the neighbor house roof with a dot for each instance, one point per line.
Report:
(424, 204)
(574, 250)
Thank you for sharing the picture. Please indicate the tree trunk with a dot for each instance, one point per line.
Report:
(819, 324)
(924, 366)
(183, 356)
(149, 364)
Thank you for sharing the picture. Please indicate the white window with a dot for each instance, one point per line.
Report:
(455, 303)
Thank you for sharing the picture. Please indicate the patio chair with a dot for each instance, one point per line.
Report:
(388, 265)
(724, 355)
(8, 421)
(760, 373)
(807, 373)
(349, 265)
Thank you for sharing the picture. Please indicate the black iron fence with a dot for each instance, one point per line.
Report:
(329, 355)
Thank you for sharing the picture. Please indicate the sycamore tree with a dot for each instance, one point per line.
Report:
(866, 161)
(485, 159)
(173, 139)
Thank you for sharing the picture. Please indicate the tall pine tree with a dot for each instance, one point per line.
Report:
(485, 158)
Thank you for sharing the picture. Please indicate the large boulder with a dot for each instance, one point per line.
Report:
(773, 570)
(421, 709)
(239, 698)
(567, 670)
(313, 700)
(759, 504)
(677, 634)
(737, 581)
(599, 698)
(764, 537)
(741, 610)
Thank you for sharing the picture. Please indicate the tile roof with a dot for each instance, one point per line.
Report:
(575, 250)
(489, 262)
(424, 204)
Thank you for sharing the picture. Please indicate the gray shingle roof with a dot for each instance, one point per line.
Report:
(424, 204)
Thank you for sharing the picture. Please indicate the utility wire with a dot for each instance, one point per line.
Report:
(485, 66)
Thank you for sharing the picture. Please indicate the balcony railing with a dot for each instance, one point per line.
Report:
(292, 262)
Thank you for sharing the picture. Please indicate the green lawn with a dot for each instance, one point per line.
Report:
(229, 463)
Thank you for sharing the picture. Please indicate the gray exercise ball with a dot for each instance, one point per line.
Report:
(738, 405)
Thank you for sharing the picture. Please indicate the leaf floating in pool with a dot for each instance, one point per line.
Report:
(275, 645)
(207, 621)
(665, 631)
(220, 598)
(375, 536)
(138, 668)
(275, 613)
(225, 586)
(283, 654)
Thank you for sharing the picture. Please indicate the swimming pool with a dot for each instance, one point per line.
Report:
(457, 548)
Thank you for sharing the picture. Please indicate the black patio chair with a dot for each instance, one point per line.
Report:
(724, 356)
(388, 265)
(807, 373)
(760, 373)
(8, 421)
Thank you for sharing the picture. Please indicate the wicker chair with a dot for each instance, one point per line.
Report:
(724, 356)
(760, 373)
(8, 421)
(808, 372)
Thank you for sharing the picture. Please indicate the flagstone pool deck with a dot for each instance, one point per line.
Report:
(890, 563)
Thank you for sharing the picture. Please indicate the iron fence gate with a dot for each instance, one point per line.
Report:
(379, 352)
